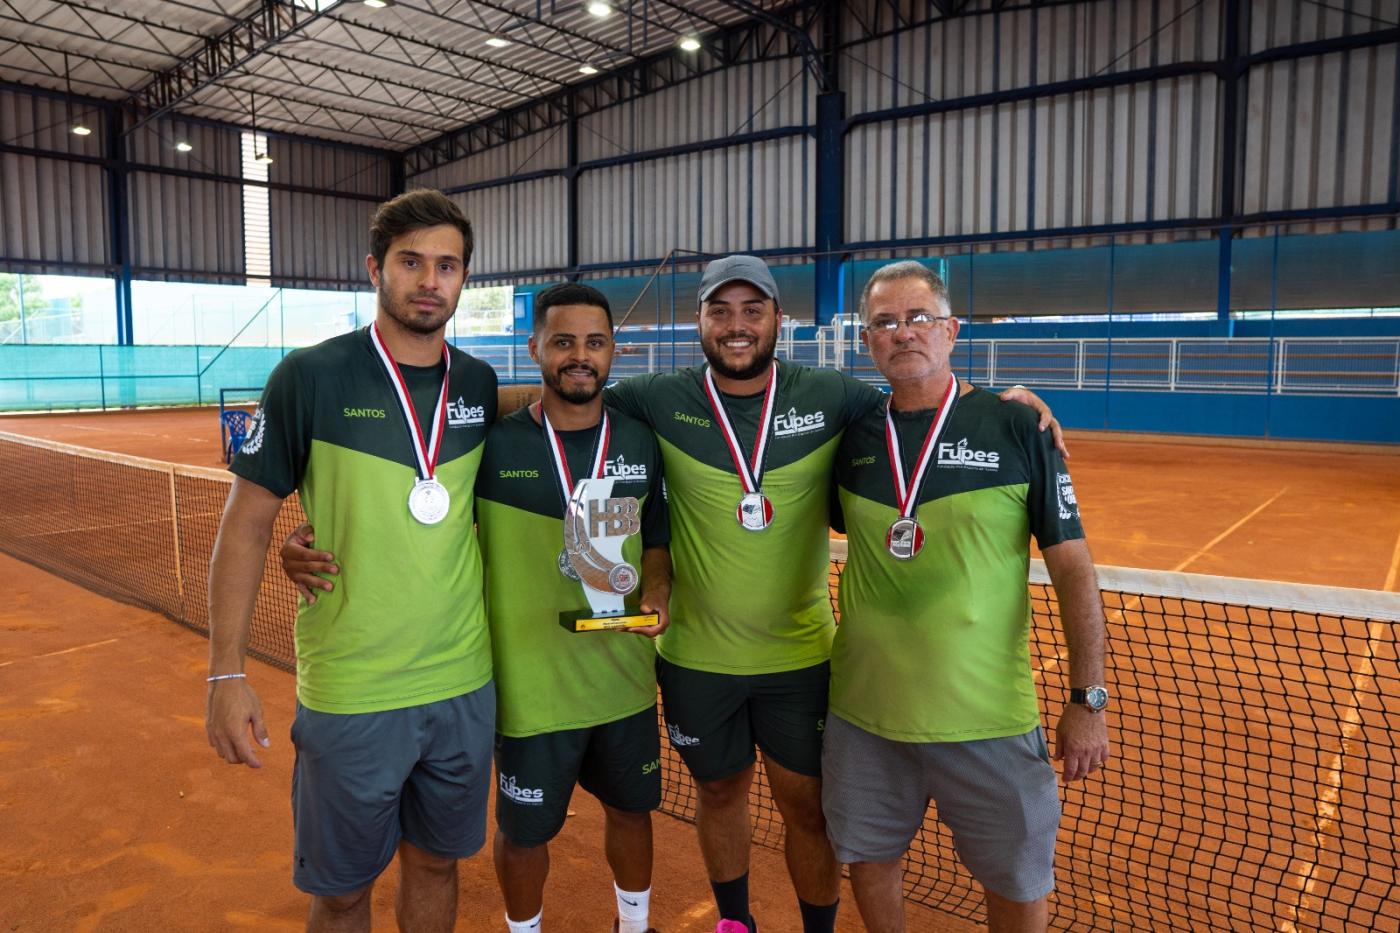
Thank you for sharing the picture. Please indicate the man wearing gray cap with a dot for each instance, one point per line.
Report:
(748, 446)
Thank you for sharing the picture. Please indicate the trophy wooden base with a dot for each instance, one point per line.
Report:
(586, 620)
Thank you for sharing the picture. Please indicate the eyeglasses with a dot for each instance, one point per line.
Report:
(919, 320)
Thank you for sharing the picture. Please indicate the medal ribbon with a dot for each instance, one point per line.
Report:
(425, 453)
(750, 476)
(561, 462)
(908, 496)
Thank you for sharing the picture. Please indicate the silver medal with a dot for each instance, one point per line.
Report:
(429, 501)
(755, 512)
(905, 539)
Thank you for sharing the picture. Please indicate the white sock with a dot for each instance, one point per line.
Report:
(525, 926)
(633, 910)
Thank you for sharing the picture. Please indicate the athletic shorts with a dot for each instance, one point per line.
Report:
(618, 762)
(715, 720)
(364, 781)
(999, 797)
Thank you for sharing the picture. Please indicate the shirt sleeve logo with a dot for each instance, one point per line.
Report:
(1064, 497)
(253, 443)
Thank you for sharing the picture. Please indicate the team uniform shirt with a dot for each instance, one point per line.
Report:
(936, 649)
(549, 679)
(405, 625)
(746, 602)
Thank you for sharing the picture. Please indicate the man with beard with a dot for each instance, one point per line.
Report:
(932, 695)
(572, 708)
(381, 431)
(748, 446)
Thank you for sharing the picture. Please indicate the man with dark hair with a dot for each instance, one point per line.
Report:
(932, 695)
(381, 431)
(749, 445)
(572, 708)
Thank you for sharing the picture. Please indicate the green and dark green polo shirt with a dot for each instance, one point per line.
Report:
(747, 602)
(549, 679)
(936, 649)
(405, 625)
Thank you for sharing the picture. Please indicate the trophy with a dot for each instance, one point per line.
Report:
(595, 526)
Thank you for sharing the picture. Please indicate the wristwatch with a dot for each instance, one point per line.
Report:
(1093, 697)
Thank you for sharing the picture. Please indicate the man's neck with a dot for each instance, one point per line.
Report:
(919, 394)
(407, 347)
(751, 386)
(568, 416)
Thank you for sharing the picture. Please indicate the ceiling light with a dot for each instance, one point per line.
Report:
(183, 146)
(80, 129)
(587, 70)
(376, 4)
(690, 44)
(496, 42)
(262, 158)
(599, 9)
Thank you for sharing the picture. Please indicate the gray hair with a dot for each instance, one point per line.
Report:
(905, 269)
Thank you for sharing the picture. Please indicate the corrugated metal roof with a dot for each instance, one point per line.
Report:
(390, 77)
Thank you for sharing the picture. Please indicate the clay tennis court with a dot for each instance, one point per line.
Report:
(114, 814)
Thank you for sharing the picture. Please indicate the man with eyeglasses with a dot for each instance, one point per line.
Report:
(932, 695)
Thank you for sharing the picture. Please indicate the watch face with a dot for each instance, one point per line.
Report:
(1096, 698)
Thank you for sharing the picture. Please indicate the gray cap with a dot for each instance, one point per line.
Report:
(749, 269)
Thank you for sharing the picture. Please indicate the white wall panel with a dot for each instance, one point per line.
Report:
(215, 149)
(318, 241)
(972, 55)
(1318, 132)
(518, 227)
(185, 228)
(1273, 23)
(750, 197)
(328, 167)
(1119, 155)
(743, 99)
(53, 212)
(38, 122)
(546, 149)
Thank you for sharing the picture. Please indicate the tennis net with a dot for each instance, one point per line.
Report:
(1255, 724)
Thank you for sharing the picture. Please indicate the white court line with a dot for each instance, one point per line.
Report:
(1394, 567)
(51, 654)
(1304, 877)
(1227, 532)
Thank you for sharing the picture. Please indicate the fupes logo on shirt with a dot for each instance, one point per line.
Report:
(791, 423)
(960, 455)
(624, 471)
(460, 414)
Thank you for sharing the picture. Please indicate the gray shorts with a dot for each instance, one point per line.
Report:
(998, 797)
(364, 781)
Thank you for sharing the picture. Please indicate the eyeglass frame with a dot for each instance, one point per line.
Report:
(890, 325)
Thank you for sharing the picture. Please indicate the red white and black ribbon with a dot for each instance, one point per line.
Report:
(750, 470)
(907, 495)
(561, 462)
(425, 450)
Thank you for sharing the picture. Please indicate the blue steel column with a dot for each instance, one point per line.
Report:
(831, 203)
(1232, 74)
(118, 233)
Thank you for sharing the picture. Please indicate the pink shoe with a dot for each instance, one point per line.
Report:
(731, 926)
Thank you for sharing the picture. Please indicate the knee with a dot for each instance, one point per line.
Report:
(342, 905)
(801, 806)
(727, 792)
(625, 819)
(415, 860)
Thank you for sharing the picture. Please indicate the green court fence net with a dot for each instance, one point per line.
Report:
(1254, 779)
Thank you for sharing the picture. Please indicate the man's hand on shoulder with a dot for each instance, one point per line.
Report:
(1081, 742)
(1047, 419)
(303, 565)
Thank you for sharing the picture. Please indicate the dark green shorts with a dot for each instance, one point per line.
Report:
(715, 720)
(618, 762)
